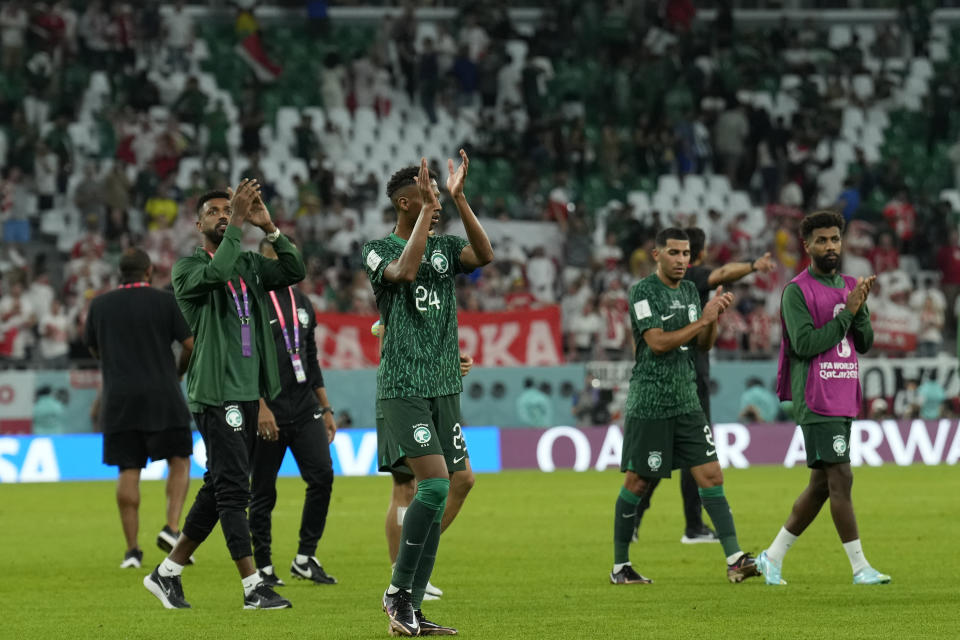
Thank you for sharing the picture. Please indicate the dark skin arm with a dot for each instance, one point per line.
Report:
(479, 252)
(704, 329)
(736, 270)
(185, 356)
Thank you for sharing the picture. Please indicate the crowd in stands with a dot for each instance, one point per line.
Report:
(111, 128)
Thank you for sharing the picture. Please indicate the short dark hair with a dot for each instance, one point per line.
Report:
(671, 233)
(210, 195)
(133, 265)
(698, 240)
(823, 219)
(404, 178)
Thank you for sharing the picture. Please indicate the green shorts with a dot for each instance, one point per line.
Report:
(652, 448)
(827, 442)
(414, 427)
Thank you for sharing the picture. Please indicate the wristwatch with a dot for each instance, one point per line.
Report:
(272, 237)
(325, 410)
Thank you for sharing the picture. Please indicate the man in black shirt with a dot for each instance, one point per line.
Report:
(299, 418)
(706, 279)
(142, 413)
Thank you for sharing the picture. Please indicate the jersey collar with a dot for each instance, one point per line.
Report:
(398, 239)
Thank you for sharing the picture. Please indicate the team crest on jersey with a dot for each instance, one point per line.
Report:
(692, 312)
(421, 433)
(234, 418)
(654, 460)
(303, 316)
(439, 261)
(839, 445)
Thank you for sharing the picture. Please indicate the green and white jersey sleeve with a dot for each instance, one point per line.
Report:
(421, 346)
(662, 386)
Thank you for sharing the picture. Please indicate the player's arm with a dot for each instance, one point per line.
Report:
(404, 269)
(736, 270)
(193, 277)
(862, 330)
(479, 252)
(806, 340)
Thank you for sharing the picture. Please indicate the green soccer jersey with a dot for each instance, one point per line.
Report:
(662, 386)
(421, 348)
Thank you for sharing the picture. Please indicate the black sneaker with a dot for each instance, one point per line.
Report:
(271, 579)
(399, 608)
(132, 559)
(168, 590)
(166, 540)
(745, 567)
(311, 570)
(428, 628)
(627, 575)
(699, 535)
(263, 597)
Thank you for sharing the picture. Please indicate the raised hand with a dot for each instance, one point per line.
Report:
(456, 178)
(466, 363)
(858, 295)
(428, 197)
(242, 199)
(719, 303)
(764, 264)
(259, 216)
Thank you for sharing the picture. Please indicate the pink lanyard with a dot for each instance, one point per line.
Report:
(283, 323)
(133, 285)
(244, 314)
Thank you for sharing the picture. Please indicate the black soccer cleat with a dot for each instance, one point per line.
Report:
(429, 628)
(745, 567)
(169, 590)
(627, 575)
(263, 597)
(132, 559)
(311, 570)
(271, 579)
(399, 608)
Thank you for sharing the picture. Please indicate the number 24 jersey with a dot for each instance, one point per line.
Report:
(421, 348)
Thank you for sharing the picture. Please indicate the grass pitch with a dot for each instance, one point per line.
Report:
(527, 558)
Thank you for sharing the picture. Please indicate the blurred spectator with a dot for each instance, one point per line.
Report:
(46, 168)
(884, 257)
(54, 329)
(901, 216)
(178, 36)
(49, 410)
(466, 76)
(849, 202)
(585, 330)
(13, 29)
(878, 409)
(534, 407)
(305, 140)
(191, 104)
(163, 206)
(17, 319)
(542, 276)
(758, 403)
(730, 135)
(930, 397)
(428, 79)
(590, 404)
(930, 306)
(333, 81)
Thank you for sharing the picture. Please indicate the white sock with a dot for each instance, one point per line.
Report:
(168, 568)
(392, 589)
(618, 567)
(268, 570)
(858, 561)
(778, 548)
(401, 511)
(734, 557)
(250, 583)
(301, 559)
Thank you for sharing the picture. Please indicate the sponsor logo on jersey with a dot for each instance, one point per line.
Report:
(439, 262)
(839, 445)
(234, 417)
(654, 460)
(421, 433)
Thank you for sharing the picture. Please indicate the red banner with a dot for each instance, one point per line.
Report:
(893, 330)
(510, 338)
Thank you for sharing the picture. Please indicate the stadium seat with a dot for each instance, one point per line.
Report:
(665, 203)
(188, 164)
(953, 197)
(715, 200)
(640, 202)
(840, 36)
(694, 184)
(784, 105)
(867, 35)
(789, 82)
(738, 202)
(689, 203)
(921, 68)
(718, 184)
(862, 86)
(668, 184)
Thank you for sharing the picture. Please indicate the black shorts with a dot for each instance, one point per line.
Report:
(130, 449)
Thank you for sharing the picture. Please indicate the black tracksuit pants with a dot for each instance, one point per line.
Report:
(307, 441)
(229, 433)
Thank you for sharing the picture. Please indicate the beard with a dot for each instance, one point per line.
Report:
(215, 236)
(827, 262)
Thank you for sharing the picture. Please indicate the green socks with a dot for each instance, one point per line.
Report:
(427, 558)
(424, 512)
(624, 518)
(719, 511)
